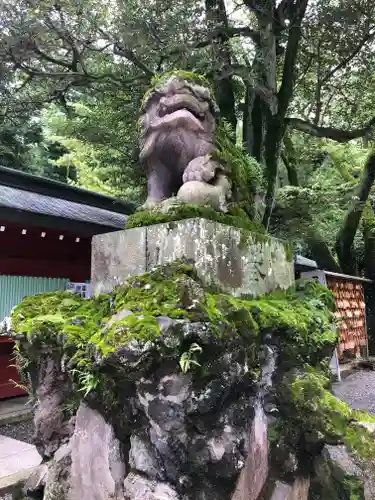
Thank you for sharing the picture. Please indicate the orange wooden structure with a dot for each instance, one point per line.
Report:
(349, 293)
(351, 313)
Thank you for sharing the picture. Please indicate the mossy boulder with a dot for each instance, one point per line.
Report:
(341, 476)
(298, 318)
(178, 369)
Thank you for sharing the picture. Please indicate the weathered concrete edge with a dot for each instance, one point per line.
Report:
(16, 417)
(174, 222)
(15, 482)
(126, 253)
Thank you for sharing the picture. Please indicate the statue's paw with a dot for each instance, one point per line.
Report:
(201, 169)
(149, 204)
(193, 174)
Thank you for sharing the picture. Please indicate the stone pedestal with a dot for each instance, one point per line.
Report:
(235, 260)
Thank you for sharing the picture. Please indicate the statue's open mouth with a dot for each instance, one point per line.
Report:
(179, 118)
(180, 110)
(169, 105)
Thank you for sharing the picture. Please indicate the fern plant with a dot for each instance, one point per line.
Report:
(188, 358)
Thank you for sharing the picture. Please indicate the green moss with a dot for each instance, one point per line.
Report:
(310, 416)
(143, 328)
(243, 170)
(235, 217)
(300, 318)
(348, 488)
(288, 251)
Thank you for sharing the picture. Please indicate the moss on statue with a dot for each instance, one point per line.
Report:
(189, 76)
(235, 217)
(244, 172)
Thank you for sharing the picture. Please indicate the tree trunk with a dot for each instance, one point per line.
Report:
(288, 157)
(263, 70)
(320, 251)
(273, 142)
(298, 221)
(217, 22)
(253, 125)
(345, 238)
(265, 118)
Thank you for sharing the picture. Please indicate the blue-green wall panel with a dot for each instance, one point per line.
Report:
(14, 288)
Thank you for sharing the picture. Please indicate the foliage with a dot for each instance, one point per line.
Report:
(187, 359)
(83, 67)
(325, 194)
(98, 146)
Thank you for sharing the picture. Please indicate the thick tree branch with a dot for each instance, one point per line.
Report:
(276, 125)
(320, 250)
(244, 31)
(80, 78)
(122, 51)
(345, 238)
(53, 60)
(230, 31)
(299, 223)
(370, 35)
(335, 134)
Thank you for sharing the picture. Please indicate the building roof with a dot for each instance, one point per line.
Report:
(303, 262)
(27, 198)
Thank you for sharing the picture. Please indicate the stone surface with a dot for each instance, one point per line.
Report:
(299, 490)
(52, 387)
(235, 260)
(137, 487)
(18, 460)
(97, 470)
(15, 410)
(17, 456)
(338, 476)
(58, 476)
(142, 457)
(37, 480)
(203, 194)
(340, 461)
(115, 258)
(254, 475)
